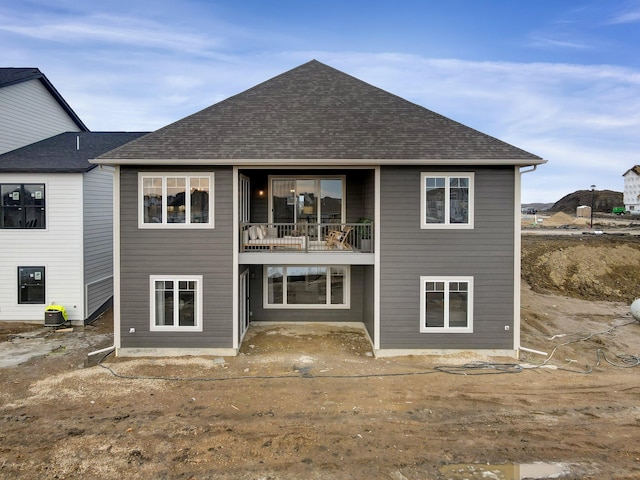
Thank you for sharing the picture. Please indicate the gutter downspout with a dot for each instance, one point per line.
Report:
(102, 350)
(518, 268)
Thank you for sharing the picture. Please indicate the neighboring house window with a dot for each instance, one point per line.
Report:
(176, 303)
(446, 304)
(306, 287)
(447, 200)
(22, 205)
(175, 200)
(31, 285)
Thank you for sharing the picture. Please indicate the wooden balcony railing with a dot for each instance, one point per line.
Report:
(306, 237)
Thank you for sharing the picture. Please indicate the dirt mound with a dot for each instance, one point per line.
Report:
(588, 267)
(603, 201)
(559, 219)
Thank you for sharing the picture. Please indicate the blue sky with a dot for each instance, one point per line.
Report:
(560, 79)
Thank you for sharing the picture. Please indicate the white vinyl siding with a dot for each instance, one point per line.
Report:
(30, 114)
(58, 248)
(631, 196)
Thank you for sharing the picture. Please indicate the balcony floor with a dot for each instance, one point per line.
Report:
(312, 257)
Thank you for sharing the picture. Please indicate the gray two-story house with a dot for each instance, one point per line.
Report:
(316, 197)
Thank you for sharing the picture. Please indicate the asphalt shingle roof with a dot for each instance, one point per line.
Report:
(11, 76)
(60, 153)
(317, 112)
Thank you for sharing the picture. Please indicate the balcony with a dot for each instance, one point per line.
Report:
(306, 237)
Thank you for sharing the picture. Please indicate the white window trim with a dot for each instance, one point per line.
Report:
(326, 306)
(152, 303)
(165, 224)
(423, 200)
(423, 305)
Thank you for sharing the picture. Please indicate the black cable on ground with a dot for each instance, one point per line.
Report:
(476, 368)
(628, 361)
(480, 368)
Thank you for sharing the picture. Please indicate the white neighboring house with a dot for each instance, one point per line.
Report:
(56, 227)
(31, 109)
(632, 190)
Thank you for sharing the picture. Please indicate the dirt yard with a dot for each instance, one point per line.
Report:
(313, 403)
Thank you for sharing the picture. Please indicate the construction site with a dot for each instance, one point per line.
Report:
(313, 402)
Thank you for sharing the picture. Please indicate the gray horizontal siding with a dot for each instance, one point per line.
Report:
(368, 299)
(98, 293)
(408, 252)
(98, 237)
(206, 252)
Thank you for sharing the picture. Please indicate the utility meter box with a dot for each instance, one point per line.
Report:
(55, 315)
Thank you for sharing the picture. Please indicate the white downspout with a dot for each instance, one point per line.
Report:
(517, 264)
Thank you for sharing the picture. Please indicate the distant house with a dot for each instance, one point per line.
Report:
(632, 190)
(316, 197)
(56, 217)
(31, 109)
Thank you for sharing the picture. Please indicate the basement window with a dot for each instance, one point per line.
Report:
(306, 287)
(31, 285)
(176, 303)
(446, 304)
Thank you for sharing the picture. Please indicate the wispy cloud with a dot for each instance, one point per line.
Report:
(630, 14)
(552, 43)
(114, 30)
(124, 72)
(584, 119)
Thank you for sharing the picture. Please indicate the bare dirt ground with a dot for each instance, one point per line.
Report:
(312, 402)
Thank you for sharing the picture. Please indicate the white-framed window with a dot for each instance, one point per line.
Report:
(176, 303)
(446, 304)
(446, 200)
(22, 206)
(175, 200)
(307, 286)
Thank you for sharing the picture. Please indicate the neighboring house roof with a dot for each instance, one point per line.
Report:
(64, 153)
(635, 169)
(12, 76)
(317, 114)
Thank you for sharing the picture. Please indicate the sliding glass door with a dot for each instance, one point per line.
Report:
(299, 201)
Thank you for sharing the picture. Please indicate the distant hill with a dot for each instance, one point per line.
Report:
(603, 201)
(537, 206)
